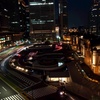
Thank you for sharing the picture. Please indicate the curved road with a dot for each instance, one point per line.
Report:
(9, 52)
(7, 92)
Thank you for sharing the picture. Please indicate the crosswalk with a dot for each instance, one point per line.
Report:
(13, 97)
(37, 93)
(23, 78)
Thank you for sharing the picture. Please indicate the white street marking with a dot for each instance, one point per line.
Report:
(4, 88)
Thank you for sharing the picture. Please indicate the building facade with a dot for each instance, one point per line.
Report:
(94, 21)
(12, 21)
(87, 50)
(45, 17)
(63, 16)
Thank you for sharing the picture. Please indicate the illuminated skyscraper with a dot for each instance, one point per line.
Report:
(94, 22)
(45, 16)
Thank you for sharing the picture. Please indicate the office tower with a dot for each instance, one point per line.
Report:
(22, 15)
(94, 21)
(4, 17)
(63, 16)
(24, 18)
(42, 18)
(5, 34)
(12, 21)
(45, 17)
(17, 12)
(27, 23)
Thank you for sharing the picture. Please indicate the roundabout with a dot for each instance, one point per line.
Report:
(34, 60)
(51, 61)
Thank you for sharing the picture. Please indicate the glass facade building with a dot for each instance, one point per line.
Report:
(45, 16)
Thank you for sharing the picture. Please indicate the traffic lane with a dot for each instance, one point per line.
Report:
(75, 72)
(79, 78)
(9, 51)
(5, 90)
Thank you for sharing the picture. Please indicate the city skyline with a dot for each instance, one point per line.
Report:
(50, 49)
(80, 10)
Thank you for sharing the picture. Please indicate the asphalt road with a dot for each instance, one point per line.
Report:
(76, 74)
(5, 90)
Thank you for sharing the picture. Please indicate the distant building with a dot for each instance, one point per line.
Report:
(45, 16)
(94, 22)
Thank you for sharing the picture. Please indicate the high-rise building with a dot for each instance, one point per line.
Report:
(94, 21)
(63, 16)
(22, 15)
(6, 9)
(27, 24)
(46, 16)
(12, 21)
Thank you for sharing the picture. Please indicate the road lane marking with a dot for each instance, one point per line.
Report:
(4, 88)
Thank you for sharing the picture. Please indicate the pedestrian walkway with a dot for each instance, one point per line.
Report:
(44, 91)
(13, 97)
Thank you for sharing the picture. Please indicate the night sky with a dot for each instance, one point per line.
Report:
(78, 11)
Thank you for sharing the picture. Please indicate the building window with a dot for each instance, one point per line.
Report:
(38, 3)
(94, 9)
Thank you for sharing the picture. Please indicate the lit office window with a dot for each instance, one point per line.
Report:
(65, 6)
(33, 21)
(44, 0)
(50, 20)
(14, 22)
(28, 24)
(94, 9)
(94, 26)
(5, 10)
(38, 3)
(95, 15)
